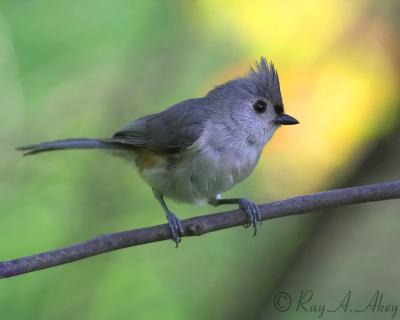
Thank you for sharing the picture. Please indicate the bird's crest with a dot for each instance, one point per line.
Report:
(265, 81)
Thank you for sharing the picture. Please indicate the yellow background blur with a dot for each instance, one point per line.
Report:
(75, 69)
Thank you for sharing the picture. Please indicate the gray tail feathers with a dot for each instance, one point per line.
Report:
(79, 143)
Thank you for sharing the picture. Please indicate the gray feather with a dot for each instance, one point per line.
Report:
(261, 81)
(171, 130)
(78, 143)
(265, 81)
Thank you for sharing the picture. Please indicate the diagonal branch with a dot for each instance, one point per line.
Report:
(199, 225)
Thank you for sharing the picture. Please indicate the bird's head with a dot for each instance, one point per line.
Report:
(253, 104)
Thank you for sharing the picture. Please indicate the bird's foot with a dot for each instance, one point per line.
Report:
(253, 214)
(176, 227)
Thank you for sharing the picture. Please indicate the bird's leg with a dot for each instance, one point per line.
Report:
(175, 225)
(251, 209)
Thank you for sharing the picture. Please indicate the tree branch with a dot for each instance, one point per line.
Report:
(199, 225)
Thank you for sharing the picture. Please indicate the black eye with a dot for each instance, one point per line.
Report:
(260, 106)
(278, 108)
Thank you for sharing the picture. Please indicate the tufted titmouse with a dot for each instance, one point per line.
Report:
(198, 148)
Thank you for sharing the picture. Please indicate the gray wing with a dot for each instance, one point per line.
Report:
(171, 130)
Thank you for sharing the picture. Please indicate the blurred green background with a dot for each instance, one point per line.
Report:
(75, 69)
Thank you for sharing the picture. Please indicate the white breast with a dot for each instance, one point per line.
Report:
(213, 164)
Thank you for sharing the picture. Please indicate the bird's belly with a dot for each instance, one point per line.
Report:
(215, 174)
(168, 174)
(196, 177)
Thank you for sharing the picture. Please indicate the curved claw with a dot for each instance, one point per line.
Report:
(175, 227)
(253, 214)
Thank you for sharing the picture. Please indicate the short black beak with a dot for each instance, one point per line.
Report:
(285, 120)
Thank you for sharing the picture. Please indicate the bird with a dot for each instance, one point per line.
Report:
(196, 149)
